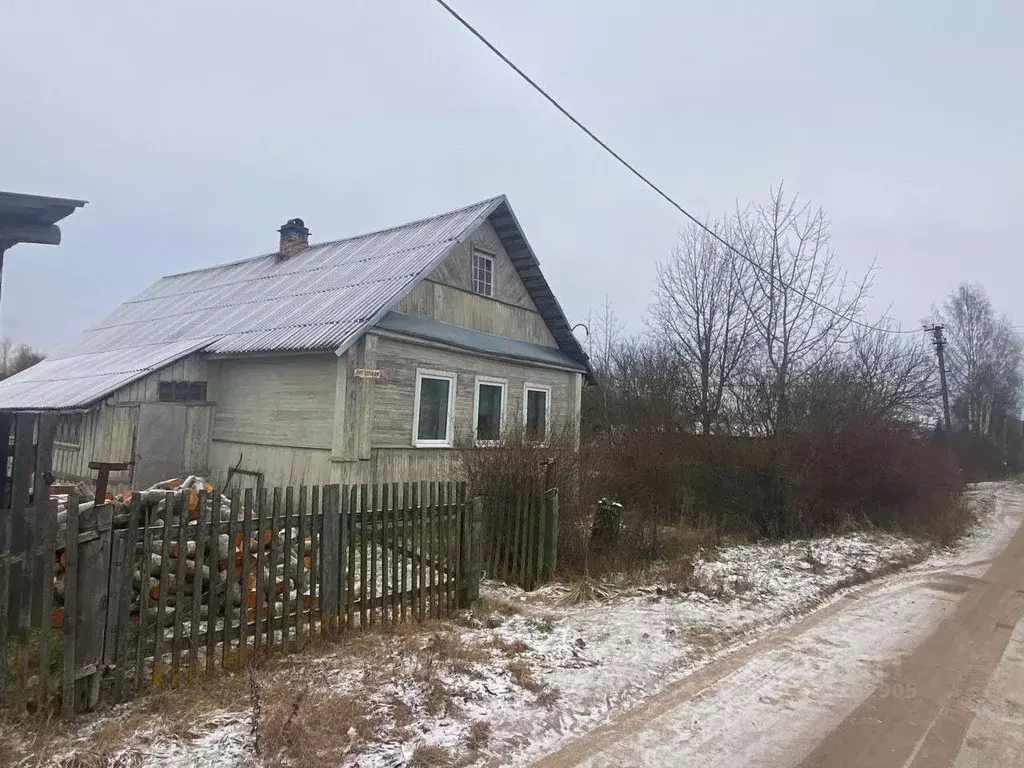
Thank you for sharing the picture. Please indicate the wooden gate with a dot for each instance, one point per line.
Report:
(521, 534)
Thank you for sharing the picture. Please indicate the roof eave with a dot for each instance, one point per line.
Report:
(527, 265)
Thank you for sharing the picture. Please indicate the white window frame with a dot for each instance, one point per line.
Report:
(492, 258)
(547, 410)
(449, 441)
(493, 382)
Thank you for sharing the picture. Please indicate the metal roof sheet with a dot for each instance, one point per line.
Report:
(323, 297)
(80, 380)
(477, 341)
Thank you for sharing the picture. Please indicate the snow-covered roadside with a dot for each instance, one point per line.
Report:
(790, 693)
(537, 672)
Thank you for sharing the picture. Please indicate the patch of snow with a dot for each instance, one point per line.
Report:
(587, 662)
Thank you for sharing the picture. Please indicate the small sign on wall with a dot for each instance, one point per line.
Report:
(369, 373)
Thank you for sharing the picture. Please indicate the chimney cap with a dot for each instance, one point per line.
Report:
(296, 226)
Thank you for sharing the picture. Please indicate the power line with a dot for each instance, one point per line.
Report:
(664, 195)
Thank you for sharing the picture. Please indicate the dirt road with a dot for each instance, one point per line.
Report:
(923, 669)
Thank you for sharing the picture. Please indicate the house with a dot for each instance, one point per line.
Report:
(368, 359)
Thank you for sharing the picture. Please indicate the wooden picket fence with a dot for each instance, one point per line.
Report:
(162, 589)
(520, 534)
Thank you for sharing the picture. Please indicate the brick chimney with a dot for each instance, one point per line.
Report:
(294, 237)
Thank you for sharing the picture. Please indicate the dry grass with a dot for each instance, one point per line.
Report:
(522, 675)
(449, 646)
(428, 756)
(478, 736)
(548, 697)
(491, 611)
(296, 725)
(303, 731)
(587, 590)
(509, 647)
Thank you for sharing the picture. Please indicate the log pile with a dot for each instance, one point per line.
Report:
(187, 567)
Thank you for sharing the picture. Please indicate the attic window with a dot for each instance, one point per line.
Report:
(181, 391)
(483, 273)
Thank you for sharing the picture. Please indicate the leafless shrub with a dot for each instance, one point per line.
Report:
(519, 464)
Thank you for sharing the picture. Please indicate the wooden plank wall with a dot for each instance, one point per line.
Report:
(479, 313)
(394, 398)
(283, 401)
(457, 269)
(107, 431)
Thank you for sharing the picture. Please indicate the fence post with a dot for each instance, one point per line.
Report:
(94, 564)
(330, 561)
(473, 550)
(68, 634)
(550, 533)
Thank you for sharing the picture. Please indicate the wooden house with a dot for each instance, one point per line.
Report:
(367, 359)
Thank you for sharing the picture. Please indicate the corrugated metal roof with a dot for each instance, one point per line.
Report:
(319, 298)
(323, 297)
(79, 380)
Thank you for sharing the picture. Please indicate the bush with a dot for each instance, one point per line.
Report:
(854, 472)
(502, 472)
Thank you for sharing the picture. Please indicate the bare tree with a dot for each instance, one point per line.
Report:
(14, 359)
(604, 331)
(800, 301)
(983, 359)
(878, 375)
(894, 376)
(646, 389)
(699, 312)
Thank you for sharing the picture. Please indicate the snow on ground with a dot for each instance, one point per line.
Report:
(525, 673)
(795, 691)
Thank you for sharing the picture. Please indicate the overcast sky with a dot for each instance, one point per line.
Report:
(195, 129)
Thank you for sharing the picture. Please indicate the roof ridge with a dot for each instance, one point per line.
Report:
(484, 202)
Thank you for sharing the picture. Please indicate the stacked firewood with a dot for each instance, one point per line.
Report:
(187, 569)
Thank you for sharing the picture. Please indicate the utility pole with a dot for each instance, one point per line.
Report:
(940, 344)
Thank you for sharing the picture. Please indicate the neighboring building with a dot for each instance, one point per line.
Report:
(359, 360)
(32, 219)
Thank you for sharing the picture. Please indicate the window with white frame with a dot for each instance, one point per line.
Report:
(489, 411)
(433, 413)
(536, 408)
(483, 273)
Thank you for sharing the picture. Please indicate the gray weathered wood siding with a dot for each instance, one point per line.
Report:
(447, 295)
(470, 310)
(280, 465)
(457, 269)
(309, 466)
(394, 394)
(191, 368)
(281, 400)
(107, 431)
